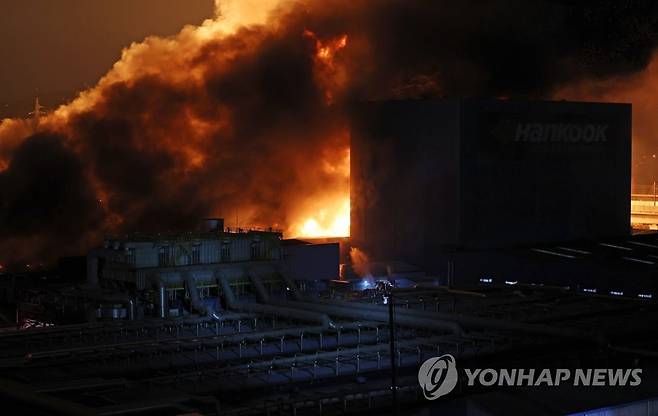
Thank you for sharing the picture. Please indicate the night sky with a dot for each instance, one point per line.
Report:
(55, 48)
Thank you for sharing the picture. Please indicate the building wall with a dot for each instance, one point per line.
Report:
(312, 261)
(543, 171)
(405, 177)
(434, 176)
(133, 260)
(180, 253)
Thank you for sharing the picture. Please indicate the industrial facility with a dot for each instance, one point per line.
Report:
(456, 184)
(496, 232)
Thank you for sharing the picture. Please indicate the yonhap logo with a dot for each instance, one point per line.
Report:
(438, 376)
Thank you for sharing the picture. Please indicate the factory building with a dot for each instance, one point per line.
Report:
(440, 176)
(171, 275)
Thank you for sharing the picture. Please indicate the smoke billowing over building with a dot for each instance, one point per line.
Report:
(245, 116)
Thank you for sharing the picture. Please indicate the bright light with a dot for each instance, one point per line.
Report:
(327, 213)
(330, 221)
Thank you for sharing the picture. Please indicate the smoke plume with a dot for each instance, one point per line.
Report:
(244, 116)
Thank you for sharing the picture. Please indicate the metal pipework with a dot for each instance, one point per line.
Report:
(472, 322)
(347, 311)
(197, 304)
(158, 284)
(189, 342)
(131, 309)
(412, 318)
(282, 310)
(261, 293)
(379, 315)
(336, 356)
(162, 300)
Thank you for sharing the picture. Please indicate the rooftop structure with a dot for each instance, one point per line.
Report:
(174, 274)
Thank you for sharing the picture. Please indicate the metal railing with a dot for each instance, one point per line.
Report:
(645, 193)
(644, 189)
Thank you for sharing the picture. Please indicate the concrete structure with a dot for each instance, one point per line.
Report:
(170, 275)
(445, 175)
(308, 261)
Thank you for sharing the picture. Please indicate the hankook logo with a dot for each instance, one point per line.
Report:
(561, 133)
(438, 376)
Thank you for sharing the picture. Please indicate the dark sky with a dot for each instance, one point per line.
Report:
(54, 48)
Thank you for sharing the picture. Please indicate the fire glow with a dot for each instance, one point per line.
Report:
(240, 117)
(245, 116)
(329, 215)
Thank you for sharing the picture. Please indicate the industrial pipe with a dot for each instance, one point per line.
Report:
(131, 309)
(469, 322)
(158, 284)
(282, 310)
(196, 301)
(346, 311)
(458, 321)
(380, 315)
(162, 301)
(261, 293)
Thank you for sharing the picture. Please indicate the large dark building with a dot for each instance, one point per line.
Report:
(445, 175)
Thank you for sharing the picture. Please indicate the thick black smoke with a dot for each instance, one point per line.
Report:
(262, 124)
(510, 48)
(45, 197)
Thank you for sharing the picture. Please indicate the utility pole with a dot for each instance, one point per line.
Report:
(391, 325)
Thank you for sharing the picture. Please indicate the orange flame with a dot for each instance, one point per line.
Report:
(328, 214)
(191, 117)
